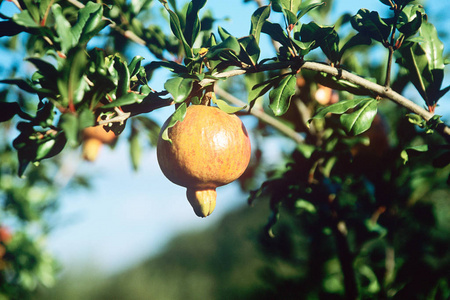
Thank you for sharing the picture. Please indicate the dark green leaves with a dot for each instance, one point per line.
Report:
(192, 21)
(89, 23)
(356, 115)
(324, 37)
(289, 8)
(280, 96)
(370, 24)
(425, 63)
(10, 109)
(175, 26)
(258, 19)
(410, 20)
(179, 87)
(186, 33)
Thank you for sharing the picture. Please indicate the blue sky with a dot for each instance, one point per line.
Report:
(128, 215)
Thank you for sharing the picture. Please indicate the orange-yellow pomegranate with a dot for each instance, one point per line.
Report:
(209, 148)
(93, 139)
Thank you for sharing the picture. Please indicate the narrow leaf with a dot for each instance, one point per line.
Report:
(177, 30)
(192, 28)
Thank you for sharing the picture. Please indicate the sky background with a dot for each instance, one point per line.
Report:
(129, 216)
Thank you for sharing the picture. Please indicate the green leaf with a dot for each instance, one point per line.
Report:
(226, 107)
(261, 88)
(289, 5)
(413, 58)
(169, 65)
(276, 32)
(177, 30)
(414, 150)
(357, 40)
(330, 47)
(314, 32)
(127, 99)
(305, 205)
(231, 44)
(361, 119)
(46, 69)
(21, 83)
(50, 147)
(432, 45)
(410, 20)
(89, 23)
(258, 19)
(249, 50)
(179, 88)
(64, 30)
(310, 6)
(223, 33)
(86, 118)
(71, 84)
(123, 83)
(425, 63)
(25, 19)
(338, 108)
(192, 28)
(135, 65)
(280, 96)
(135, 149)
(370, 24)
(9, 109)
(176, 117)
(69, 124)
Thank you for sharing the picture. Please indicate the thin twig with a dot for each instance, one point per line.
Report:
(275, 123)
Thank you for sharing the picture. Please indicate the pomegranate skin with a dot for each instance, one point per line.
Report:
(209, 148)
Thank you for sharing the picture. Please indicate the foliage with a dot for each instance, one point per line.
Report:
(356, 179)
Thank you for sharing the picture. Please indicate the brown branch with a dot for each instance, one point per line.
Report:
(260, 114)
(382, 91)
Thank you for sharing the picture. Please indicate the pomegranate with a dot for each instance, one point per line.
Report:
(208, 149)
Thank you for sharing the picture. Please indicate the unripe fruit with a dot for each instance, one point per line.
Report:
(209, 148)
(93, 139)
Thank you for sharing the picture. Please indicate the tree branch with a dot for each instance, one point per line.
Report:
(382, 91)
(289, 132)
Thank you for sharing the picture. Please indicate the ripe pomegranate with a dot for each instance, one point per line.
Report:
(209, 148)
(93, 139)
